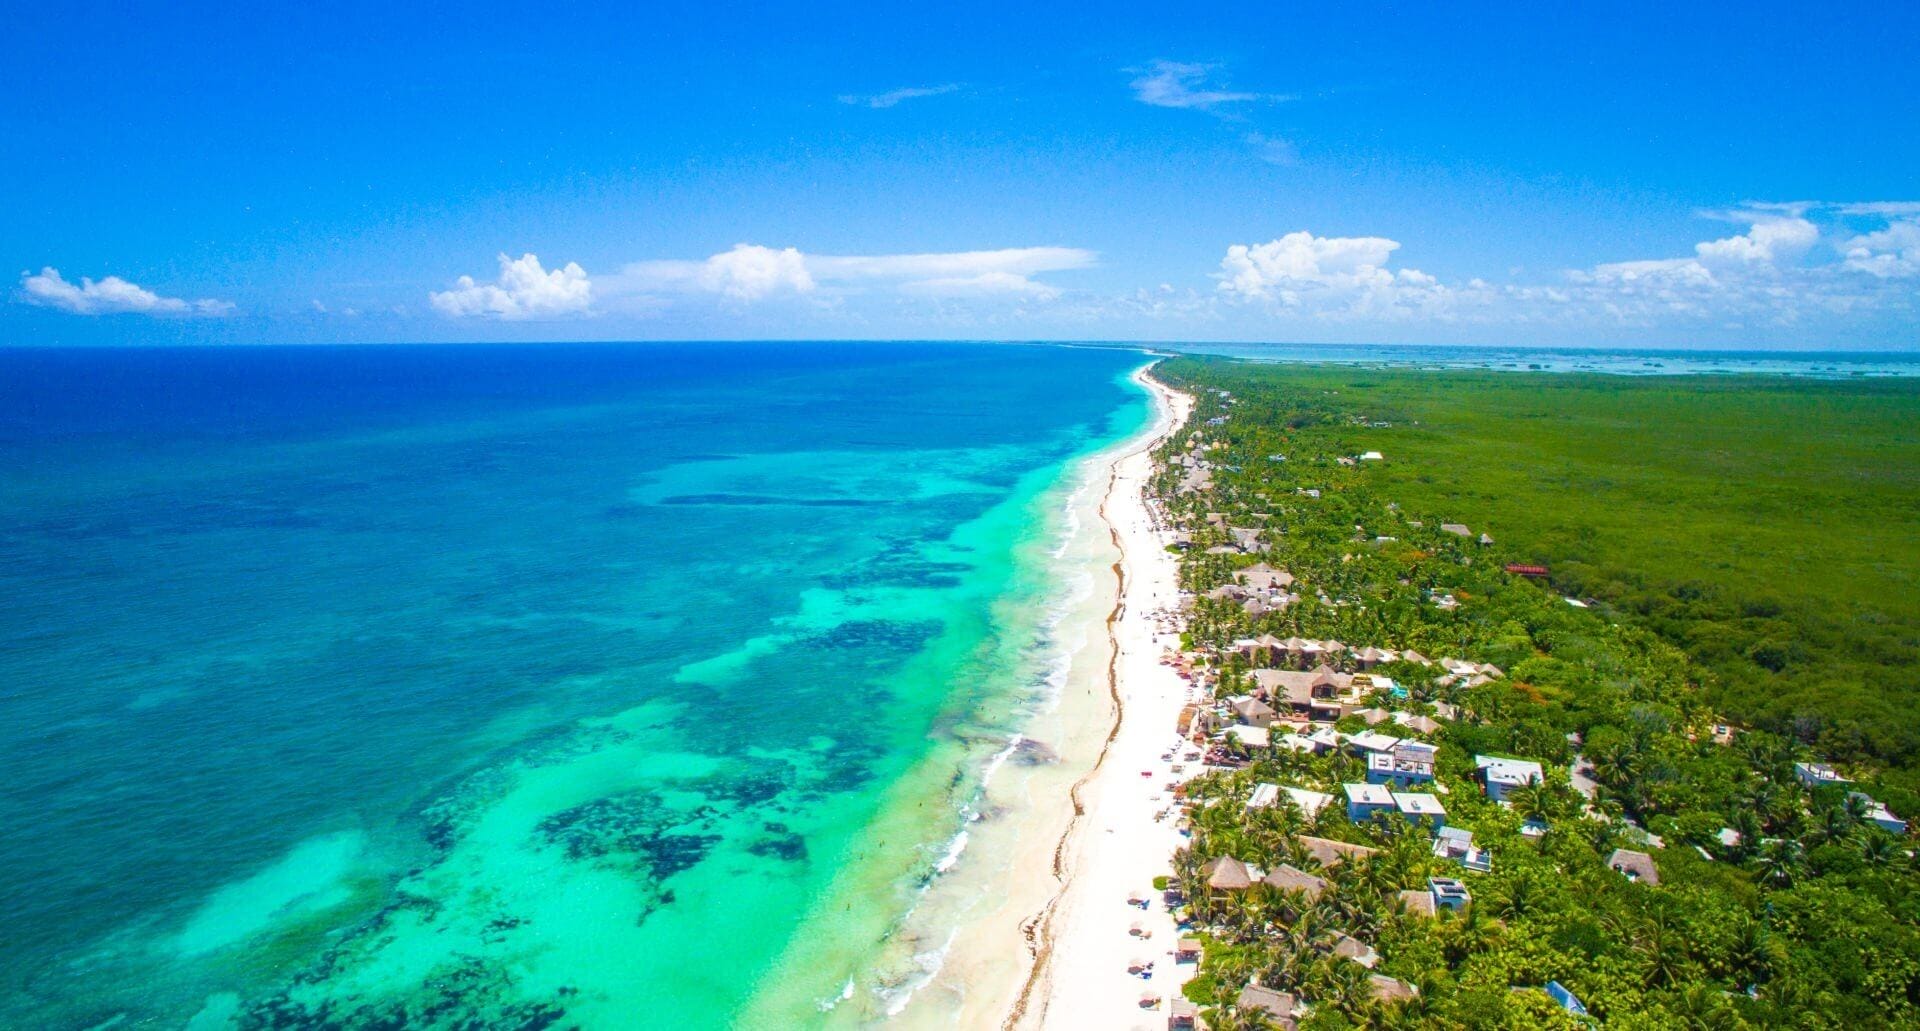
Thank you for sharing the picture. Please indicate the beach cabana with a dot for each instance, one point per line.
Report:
(1417, 724)
(1226, 874)
(1638, 866)
(1416, 903)
(1347, 946)
(1289, 878)
(1278, 1006)
(1330, 853)
(1390, 989)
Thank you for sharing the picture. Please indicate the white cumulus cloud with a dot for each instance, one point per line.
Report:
(1889, 253)
(1769, 239)
(749, 272)
(109, 296)
(524, 290)
(1788, 268)
(1301, 259)
(1780, 273)
(1332, 277)
(1751, 276)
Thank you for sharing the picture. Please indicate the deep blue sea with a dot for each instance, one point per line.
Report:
(453, 686)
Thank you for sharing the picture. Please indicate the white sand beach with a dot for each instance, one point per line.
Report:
(1043, 932)
(1092, 935)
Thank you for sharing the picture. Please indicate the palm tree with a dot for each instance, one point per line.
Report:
(1615, 764)
(1259, 908)
(1835, 821)
(1532, 802)
(1879, 849)
(1856, 807)
(1752, 953)
(1745, 822)
(1232, 966)
(1186, 872)
(1349, 990)
(1514, 897)
(1780, 861)
(1661, 940)
(1285, 970)
(1770, 756)
(1776, 805)
(1699, 1008)
(1370, 876)
(1228, 1016)
(1349, 908)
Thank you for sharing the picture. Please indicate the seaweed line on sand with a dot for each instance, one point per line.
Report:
(1038, 929)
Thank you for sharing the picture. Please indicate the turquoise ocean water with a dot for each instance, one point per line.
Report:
(506, 686)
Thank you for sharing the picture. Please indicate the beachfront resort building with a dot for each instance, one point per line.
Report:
(1405, 764)
(1415, 902)
(1502, 776)
(1369, 742)
(1420, 810)
(1456, 843)
(1417, 724)
(1448, 893)
(1878, 814)
(1252, 711)
(1819, 775)
(1318, 695)
(1330, 853)
(1373, 717)
(1364, 800)
(1253, 738)
(1308, 802)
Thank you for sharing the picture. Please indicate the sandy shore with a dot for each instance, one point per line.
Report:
(1037, 911)
(1090, 935)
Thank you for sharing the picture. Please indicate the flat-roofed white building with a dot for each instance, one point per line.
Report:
(1503, 775)
(1364, 800)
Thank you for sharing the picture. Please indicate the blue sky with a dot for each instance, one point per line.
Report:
(1647, 175)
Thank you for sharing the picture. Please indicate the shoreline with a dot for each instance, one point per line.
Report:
(1014, 899)
(1084, 940)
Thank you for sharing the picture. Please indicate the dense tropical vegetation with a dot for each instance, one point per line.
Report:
(1713, 531)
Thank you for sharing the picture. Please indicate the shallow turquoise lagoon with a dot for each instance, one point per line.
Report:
(527, 686)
